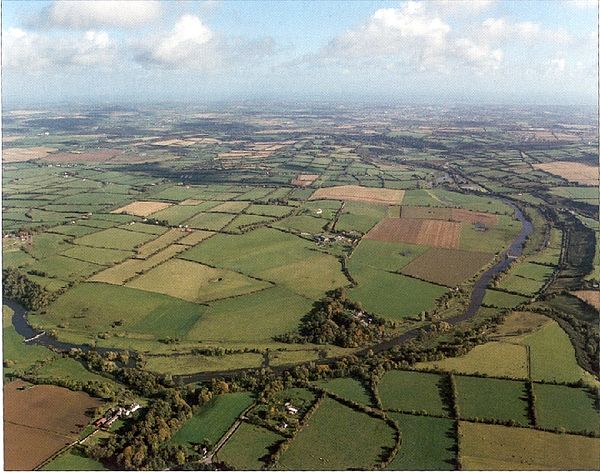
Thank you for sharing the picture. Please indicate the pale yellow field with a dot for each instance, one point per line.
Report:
(142, 208)
(122, 272)
(574, 172)
(496, 447)
(491, 359)
(195, 282)
(195, 237)
(16, 155)
(360, 193)
(159, 243)
(591, 297)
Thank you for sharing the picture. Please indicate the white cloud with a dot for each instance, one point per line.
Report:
(502, 30)
(190, 43)
(31, 51)
(86, 14)
(411, 37)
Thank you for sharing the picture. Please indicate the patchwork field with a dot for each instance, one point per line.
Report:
(436, 233)
(572, 171)
(337, 438)
(496, 447)
(40, 420)
(304, 179)
(115, 238)
(447, 267)
(98, 156)
(359, 193)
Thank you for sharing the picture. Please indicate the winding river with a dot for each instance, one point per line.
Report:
(32, 336)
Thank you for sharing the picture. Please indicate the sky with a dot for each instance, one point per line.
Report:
(433, 51)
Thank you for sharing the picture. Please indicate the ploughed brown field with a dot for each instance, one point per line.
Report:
(16, 155)
(468, 216)
(96, 156)
(142, 208)
(445, 213)
(591, 297)
(305, 179)
(447, 267)
(436, 233)
(574, 172)
(359, 193)
(40, 420)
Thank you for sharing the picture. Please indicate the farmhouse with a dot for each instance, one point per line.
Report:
(290, 408)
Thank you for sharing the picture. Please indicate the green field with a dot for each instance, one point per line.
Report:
(247, 447)
(382, 255)
(63, 267)
(412, 391)
(209, 221)
(427, 443)
(394, 296)
(102, 256)
(502, 299)
(337, 438)
(213, 419)
(348, 388)
(101, 305)
(251, 318)
(563, 407)
(74, 460)
(488, 398)
(190, 364)
(552, 356)
(115, 238)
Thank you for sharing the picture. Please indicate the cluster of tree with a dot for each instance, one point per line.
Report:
(17, 286)
(144, 446)
(337, 320)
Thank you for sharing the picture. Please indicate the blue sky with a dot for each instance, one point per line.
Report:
(485, 51)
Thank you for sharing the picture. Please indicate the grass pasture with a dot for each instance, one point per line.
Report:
(563, 407)
(115, 238)
(502, 299)
(491, 359)
(210, 221)
(348, 388)
(195, 282)
(394, 296)
(101, 256)
(497, 447)
(248, 446)
(552, 356)
(251, 318)
(489, 398)
(383, 255)
(212, 420)
(101, 305)
(337, 438)
(427, 443)
(412, 391)
(190, 364)
(73, 460)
